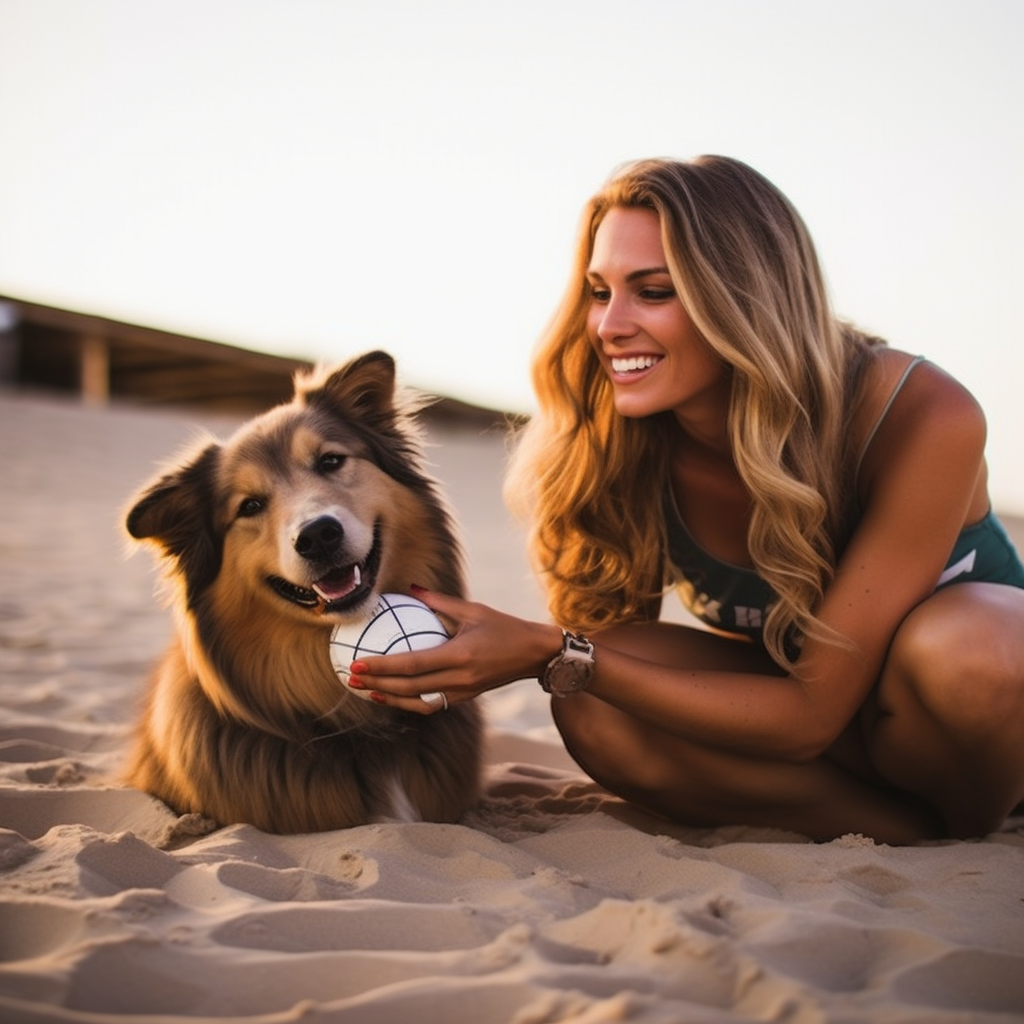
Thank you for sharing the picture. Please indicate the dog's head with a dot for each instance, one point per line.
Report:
(311, 510)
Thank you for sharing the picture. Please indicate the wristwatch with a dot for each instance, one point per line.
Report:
(572, 668)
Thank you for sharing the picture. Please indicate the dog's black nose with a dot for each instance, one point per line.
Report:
(319, 540)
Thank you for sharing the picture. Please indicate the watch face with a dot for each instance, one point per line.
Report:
(572, 669)
(568, 676)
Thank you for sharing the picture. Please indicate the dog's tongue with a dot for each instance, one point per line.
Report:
(338, 583)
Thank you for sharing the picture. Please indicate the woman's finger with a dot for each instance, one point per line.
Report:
(408, 664)
(430, 703)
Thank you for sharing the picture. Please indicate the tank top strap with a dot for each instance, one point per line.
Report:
(885, 412)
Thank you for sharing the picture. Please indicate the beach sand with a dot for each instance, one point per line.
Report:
(549, 902)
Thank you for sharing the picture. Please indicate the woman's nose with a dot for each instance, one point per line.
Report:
(616, 320)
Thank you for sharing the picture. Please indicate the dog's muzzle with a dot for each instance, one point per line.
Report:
(340, 585)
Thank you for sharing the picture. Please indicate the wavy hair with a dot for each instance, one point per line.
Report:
(592, 482)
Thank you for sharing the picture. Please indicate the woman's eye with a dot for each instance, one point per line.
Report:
(657, 294)
(249, 507)
(599, 294)
(330, 461)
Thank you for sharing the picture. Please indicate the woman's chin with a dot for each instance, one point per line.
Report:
(634, 406)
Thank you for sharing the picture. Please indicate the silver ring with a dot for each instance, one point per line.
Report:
(435, 700)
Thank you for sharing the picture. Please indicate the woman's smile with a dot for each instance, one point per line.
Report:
(632, 365)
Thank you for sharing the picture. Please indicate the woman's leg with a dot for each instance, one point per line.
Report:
(947, 718)
(702, 786)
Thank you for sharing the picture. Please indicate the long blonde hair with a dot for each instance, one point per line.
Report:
(592, 481)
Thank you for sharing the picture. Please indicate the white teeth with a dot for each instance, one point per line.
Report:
(633, 363)
(357, 576)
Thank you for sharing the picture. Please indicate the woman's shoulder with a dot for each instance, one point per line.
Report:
(909, 407)
(900, 387)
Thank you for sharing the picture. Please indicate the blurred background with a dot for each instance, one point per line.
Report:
(312, 178)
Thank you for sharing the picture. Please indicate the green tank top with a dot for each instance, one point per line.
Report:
(735, 599)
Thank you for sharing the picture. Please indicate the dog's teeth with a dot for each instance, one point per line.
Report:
(357, 576)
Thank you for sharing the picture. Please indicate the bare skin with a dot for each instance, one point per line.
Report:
(913, 729)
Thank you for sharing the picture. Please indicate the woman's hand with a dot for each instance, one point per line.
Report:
(488, 649)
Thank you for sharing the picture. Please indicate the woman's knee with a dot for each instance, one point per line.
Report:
(627, 757)
(600, 739)
(959, 658)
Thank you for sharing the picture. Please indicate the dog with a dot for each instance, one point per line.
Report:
(297, 523)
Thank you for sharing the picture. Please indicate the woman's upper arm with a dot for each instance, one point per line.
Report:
(923, 481)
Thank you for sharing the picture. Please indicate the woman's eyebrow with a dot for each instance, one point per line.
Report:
(633, 275)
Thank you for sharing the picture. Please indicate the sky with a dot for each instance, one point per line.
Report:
(322, 177)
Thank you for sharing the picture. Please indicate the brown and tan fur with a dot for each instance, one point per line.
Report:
(246, 720)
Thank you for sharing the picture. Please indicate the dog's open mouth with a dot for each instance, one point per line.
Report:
(341, 588)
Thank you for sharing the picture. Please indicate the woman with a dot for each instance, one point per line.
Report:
(820, 500)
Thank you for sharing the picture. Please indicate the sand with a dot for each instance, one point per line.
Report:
(549, 902)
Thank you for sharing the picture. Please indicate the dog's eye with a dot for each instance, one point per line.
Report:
(330, 461)
(249, 507)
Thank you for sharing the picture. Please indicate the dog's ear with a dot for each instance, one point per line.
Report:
(362, 389)
(365, 395)
(176, 513)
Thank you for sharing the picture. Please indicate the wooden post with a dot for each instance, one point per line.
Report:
(8, 343)
(95, 369)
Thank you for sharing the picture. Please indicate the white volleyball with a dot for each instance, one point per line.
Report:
(397, 623)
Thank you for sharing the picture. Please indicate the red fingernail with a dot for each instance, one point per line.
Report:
(356, 683)
(357, 668)
(379, 698)
(417, 589)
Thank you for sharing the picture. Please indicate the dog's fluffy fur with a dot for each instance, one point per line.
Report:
(297, 523)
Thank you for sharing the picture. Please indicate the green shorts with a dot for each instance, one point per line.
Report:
(983, 553)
